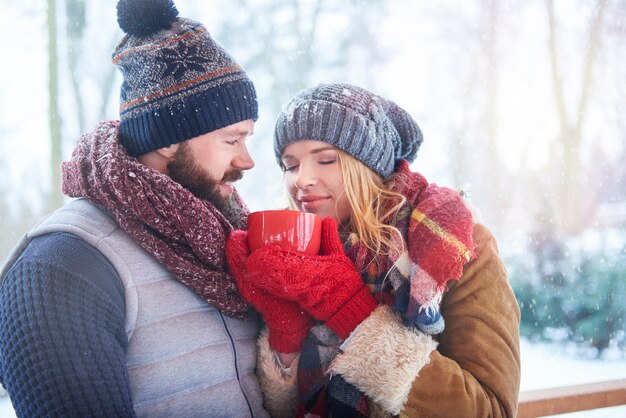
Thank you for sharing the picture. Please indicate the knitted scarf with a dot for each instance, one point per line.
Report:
(437, 230)
(187, 235)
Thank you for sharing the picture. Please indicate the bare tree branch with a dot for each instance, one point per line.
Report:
(54, 118)
(571, 206)
(556, 76)
(592, 48)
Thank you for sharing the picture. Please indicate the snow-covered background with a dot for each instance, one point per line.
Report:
(521, 103)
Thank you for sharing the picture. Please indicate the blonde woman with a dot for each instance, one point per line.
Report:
(358, 330)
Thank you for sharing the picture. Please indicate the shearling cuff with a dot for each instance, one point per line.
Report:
(382, 358)
(279, 387)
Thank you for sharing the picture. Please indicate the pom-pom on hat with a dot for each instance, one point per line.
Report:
(178, 82)
(374, 130)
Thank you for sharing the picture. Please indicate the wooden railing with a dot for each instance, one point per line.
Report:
(540, 403)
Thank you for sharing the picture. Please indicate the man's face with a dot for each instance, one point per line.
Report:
(207, 164)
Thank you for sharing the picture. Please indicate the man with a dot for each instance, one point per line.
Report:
(119, 304)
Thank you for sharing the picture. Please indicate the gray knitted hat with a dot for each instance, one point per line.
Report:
(372, 129)
(178, 82)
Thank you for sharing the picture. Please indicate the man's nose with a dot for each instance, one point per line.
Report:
(243, 160)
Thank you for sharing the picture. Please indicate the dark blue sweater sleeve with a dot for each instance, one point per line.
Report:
(62, 332)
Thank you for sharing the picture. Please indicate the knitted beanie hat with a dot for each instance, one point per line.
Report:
(178, 82)
(374, 130)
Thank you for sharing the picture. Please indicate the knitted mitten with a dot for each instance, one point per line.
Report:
(327, 286)
(288, 325)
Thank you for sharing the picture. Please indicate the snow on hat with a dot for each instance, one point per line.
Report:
(372, 129)
(178, 82)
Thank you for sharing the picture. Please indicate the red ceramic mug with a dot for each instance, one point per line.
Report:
(297, 230)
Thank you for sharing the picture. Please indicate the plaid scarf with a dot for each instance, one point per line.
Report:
(187, 235)
(437, 230)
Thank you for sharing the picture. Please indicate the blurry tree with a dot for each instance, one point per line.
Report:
(360, 48)
(107, 81)
(88, 83)
(604, 200)
(66, 52)
(54, 117)
(599, 314)
(6, 220)
(477, 36)
(568, 293)
(17, 211)
(567, 151)
(286, 43)
(490, 45)
(74, 31)
(490, 186)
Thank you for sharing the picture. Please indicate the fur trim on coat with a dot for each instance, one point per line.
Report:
(279, 387)
(382, 358)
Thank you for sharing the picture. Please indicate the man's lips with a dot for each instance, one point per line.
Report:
(225, 186)
(226, 189)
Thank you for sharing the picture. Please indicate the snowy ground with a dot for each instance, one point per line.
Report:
(545, 366)
(542, 367)
(548, 367)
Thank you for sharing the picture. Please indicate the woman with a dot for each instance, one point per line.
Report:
(358, 329)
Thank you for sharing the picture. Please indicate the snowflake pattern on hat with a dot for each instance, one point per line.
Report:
(178, 82)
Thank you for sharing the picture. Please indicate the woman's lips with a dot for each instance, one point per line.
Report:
(313, 202)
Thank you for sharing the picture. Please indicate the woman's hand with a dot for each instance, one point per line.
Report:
(288, 325)
(327, 286)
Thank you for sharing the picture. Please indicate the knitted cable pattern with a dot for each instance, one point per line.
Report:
(62, 308)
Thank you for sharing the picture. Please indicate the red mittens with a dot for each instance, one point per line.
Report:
(327, 286)
(288, 325)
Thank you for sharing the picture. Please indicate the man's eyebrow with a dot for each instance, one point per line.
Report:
(314, 151)
(241, 132)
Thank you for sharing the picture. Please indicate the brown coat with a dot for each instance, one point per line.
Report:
(475, 371)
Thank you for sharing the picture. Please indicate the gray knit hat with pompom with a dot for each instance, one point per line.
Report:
(374, 130)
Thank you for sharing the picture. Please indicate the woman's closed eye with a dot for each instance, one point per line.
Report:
(289, 167)
(327, 162)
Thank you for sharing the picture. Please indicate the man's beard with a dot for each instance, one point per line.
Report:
(184, 170)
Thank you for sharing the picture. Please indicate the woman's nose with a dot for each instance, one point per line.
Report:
(306, 177)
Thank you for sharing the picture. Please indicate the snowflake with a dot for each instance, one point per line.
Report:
(182, 59)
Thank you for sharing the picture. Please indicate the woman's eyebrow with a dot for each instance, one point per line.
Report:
(318, 150)
(314, 151)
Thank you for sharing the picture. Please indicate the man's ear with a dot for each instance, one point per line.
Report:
(159, 158)
(168, 152)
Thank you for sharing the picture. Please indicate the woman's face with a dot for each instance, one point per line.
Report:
(314, 181)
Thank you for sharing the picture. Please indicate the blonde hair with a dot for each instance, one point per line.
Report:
(373, 205)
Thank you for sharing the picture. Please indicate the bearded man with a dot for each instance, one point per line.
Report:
(119, 303)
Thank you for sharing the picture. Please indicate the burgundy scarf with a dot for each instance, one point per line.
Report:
(187, 235)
